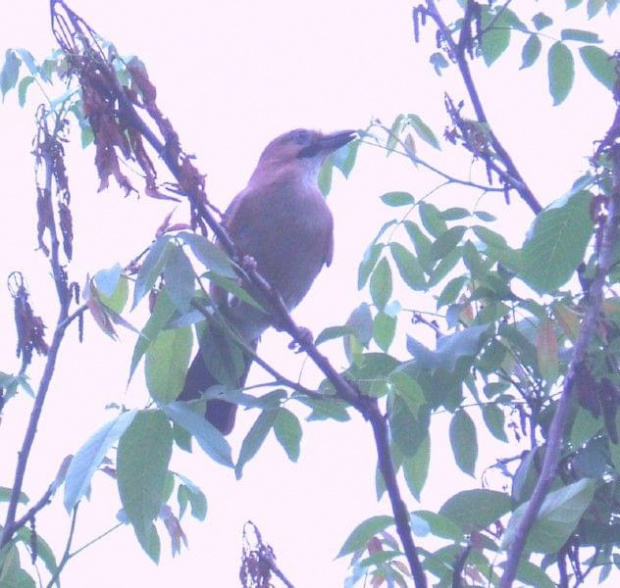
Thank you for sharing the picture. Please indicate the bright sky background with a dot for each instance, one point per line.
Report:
(231, 76)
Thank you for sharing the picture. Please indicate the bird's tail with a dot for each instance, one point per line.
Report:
(219, 361)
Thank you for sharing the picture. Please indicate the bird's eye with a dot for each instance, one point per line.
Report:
(301, 137)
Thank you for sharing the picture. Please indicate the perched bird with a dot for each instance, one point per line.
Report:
(282, 222)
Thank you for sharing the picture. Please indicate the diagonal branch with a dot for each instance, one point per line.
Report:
(510, 175)
(78, 40)
(609, 237)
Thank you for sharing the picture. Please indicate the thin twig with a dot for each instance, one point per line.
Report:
(97, 538)
(33, 510)
(66, 556)
(446, 176)
(64, 298)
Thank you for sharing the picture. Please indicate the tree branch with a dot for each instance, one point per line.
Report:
(401, 514)
(46, 144)
(510, 176)
(93, 66)
(609, 237)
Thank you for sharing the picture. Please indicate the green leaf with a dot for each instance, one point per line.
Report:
(572, 3)
(422, 245)
(557, 241)
(9, 73)
(192, 495)
(533, 575)
(416, 466)
(541, 21)
(446, 242)
(364, 532)
(455, 213)
(408, 266)
(494, 40)
(445, 266)
(233, 287)
(209, 254)
(475, 510)
(151, 269)
(331, 333)
(592, 461)
(43, 550)
(323, 409)
(5, 495)
(368, 263)
(441, 525)
(464, 442)
(381, 284)
(487, 217)
(450, 348)
(361, 324)
(384, 329)
(451, 291)
(167, 359)
(409, 429)
(561, 71)
(112, 288)
(494, 419)
(423, 130)
(255, 438)
(89, 457)
(22, 89)
(594, 7)
(179, 279)
(144, 452)
(600, 64)
(326, 173)
(398, 199)
(409, 390)
(508, 18)
(371, 372)
(150, 542)
(531, 51)
(558, 517)
(547, 351)
(580, 35)
(209, 438)
(489, 237)
(29, 61)
(160, 316)
(288, 433)
(432, 219)
(584, 427)
(11, 573)
(344, 158)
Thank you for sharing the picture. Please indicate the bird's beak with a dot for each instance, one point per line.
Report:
(332, 142)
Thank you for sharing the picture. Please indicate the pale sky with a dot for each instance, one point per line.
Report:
(231, 76)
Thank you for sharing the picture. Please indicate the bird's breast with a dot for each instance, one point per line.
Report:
(287, 229)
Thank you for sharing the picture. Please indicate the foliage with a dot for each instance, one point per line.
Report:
(524, 336)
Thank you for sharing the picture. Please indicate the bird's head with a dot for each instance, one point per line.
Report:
(301, 152)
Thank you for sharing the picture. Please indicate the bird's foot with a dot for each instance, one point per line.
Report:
(248, 263)
(305, 338)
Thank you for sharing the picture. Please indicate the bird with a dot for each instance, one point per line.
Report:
(281, 221)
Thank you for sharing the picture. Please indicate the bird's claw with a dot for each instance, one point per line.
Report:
(305, 338)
